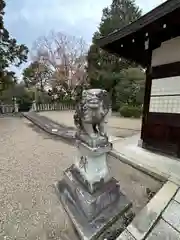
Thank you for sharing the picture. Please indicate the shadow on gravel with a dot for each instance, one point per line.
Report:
(46, 135)
(38, 130)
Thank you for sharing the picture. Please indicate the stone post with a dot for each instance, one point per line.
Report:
(15, 105)
(89, 194)
(34, 106)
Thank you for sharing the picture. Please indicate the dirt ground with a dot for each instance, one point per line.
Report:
(30, 162)
(133, 183)
(117, 126)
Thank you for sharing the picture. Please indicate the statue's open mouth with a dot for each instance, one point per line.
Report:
(93, 103)
(93, 100)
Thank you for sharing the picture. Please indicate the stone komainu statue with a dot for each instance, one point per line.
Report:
(91, 112)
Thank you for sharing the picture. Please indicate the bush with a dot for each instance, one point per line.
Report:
(130, 111)
(25, 103)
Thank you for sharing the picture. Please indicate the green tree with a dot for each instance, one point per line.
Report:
(36, 74)
(104, 69)
(130, 88)
(10, 53)
(21, 93)
(16, 90)
(118, 15)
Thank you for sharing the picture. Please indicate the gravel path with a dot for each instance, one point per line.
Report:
(29, 164)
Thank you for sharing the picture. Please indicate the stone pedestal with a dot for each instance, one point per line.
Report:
(91, 213)
(91, 197)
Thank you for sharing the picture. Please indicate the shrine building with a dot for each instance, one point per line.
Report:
(153, 41)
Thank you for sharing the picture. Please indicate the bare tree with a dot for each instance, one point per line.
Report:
(65, 55)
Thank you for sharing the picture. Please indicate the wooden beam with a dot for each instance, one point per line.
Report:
(147, 91)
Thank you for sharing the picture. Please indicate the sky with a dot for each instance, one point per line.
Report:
(26, 20)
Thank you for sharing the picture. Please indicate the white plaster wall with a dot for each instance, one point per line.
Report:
(165, 86)
(168, 52)
(165, 104)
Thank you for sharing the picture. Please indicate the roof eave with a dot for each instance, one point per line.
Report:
(141, 23)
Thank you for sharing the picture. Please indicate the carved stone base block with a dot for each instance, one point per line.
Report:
(91, 163)
(91, 213)
(92, 141)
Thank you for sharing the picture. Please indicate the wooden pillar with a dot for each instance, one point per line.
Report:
(147, 90)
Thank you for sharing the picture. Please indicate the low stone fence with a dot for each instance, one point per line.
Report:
(6, 108)
(51, 107)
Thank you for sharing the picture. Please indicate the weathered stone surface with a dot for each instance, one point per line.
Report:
(163, 231)
(91, 164)
(51, 127)
(90, 228)
(90, 203)
(93, 186)
(144, 221)
(172, 214)
(126, 236)
(90, 117)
